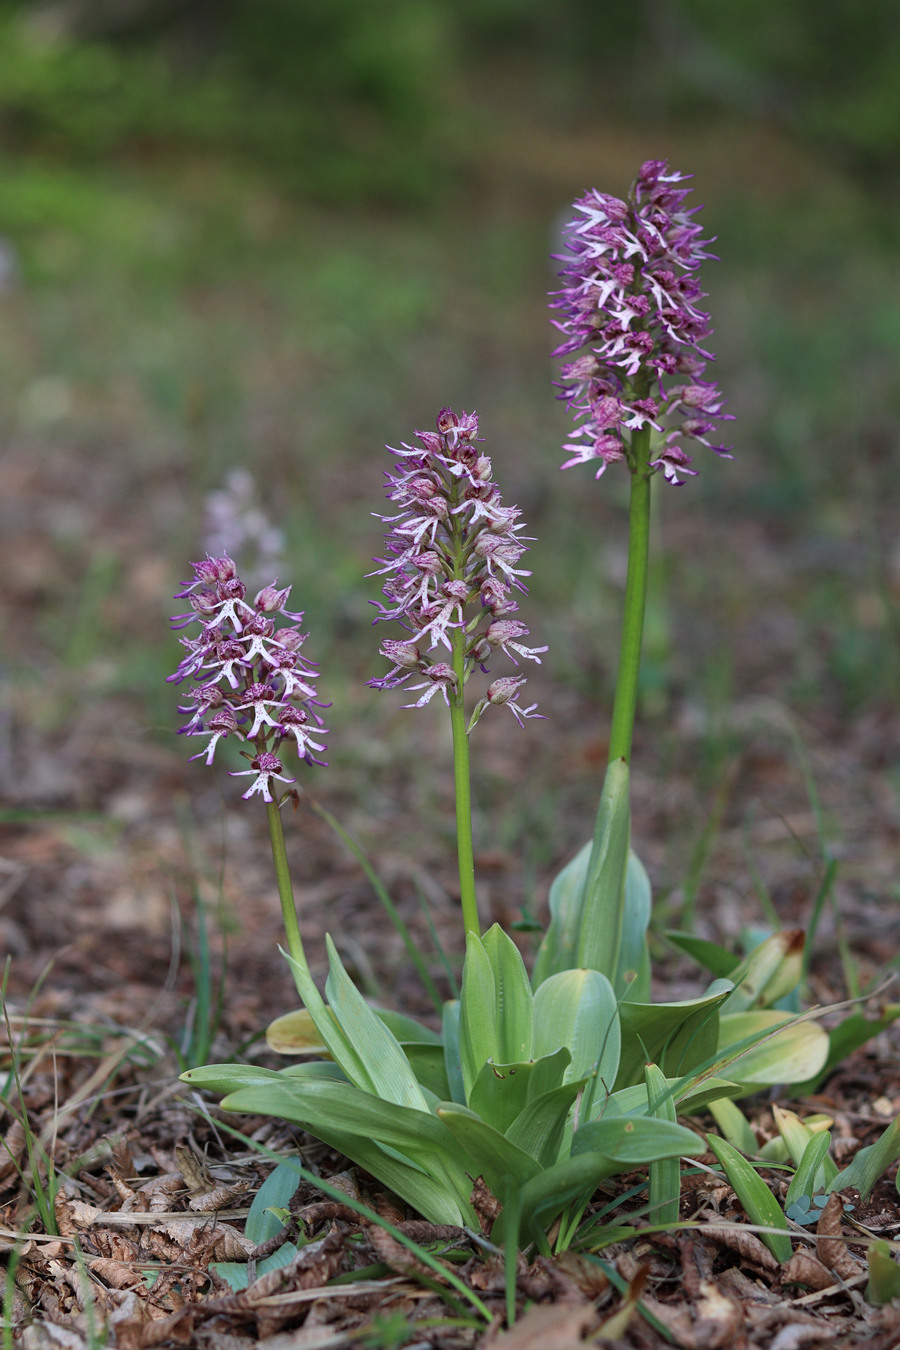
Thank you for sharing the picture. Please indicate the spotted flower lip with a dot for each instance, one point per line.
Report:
(451, 562)
(630, 316)
(252, 681)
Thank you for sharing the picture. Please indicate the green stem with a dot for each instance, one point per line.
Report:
(285, 889)
(635, 601)
(464, 847)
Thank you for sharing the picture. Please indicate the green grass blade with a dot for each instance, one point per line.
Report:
(665, 1173)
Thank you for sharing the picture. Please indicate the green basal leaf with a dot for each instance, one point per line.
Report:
(407, 1030)
(884, 1274)
(632, 979)
(846, 1037)
(810, 1177)
(514, 1016)
(870, 1162)
(502, 1091)
(409, 1150)
(540, 1128)
(236, 1274)
(488, 1152)
(717, 960)
(677, 1036)
(768, 972)
(229, 1077)
(587, 898)
(387, 1068)
(759, 1203)
(634, 1140)
(577, 1009)
(689, 1096)
(795, 1052)
(452, 1062)
(276, 1192)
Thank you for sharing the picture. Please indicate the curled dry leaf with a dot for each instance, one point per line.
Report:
(223, 1197)
(73, 1216)
(485, 1204)
(192, 1169)
(804, 1268)
(746, 1244)
(831, 1248)
(394, 1254)
(718, 1318)
(561, 1325)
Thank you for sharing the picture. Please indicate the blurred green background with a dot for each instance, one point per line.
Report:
(279, 233)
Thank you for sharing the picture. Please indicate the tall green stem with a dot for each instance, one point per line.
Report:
(464, 847)
(285, 889)
(635, 601)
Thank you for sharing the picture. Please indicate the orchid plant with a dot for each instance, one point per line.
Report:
(539, 1086)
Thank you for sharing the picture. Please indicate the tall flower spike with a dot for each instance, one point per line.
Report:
(251, 680)
(630, 309)
(451, 565)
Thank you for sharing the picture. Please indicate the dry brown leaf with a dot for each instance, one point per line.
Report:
(394, 1254)
(485, 1204)
(804, 1268)
(563, 1326)
(220, 1198)
(831, 1248)
(117, 1274)
(586, 1275)
(746, 1244)
(73, 1216)
(718, 1318)
(192, 1168)
(12, 1148)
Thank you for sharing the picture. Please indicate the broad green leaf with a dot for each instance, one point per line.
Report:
(340, 1046)
(229, 1077)
(388, 1069)
(452, 1064)
(846, 1037)
(407, 1030)
(734, 1125)
(632, 979)
(502, 1091)
(587, 899)
(796, 1051)
(758, 1201)
(276, 1192)
(884, 1274)
(676, 1036)
(870, 1162)
(577, 1009)
(665, 1173)
(717, 960)
(768, 972)
(515, 1001)
(634, 1140)
(540, 1127)
(496, 1006)
(490, 1154)
(776, 1150)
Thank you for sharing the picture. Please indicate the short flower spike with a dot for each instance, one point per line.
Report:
(251, 680)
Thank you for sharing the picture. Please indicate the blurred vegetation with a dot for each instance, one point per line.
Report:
(348, 98)
(280, 232)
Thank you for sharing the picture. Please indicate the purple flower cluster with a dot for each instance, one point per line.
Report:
(451, 565)
(630, 306)
(252, 680)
